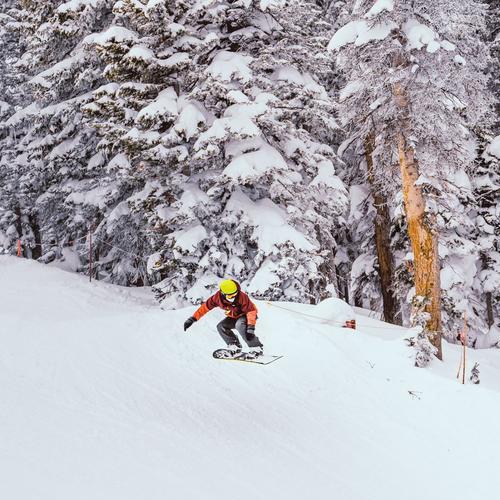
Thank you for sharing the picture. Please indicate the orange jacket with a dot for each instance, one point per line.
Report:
(242, 305)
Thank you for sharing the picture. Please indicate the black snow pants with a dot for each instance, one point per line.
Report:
(225, 329)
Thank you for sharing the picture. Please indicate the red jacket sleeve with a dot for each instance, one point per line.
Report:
(249, 308)
(205, 307)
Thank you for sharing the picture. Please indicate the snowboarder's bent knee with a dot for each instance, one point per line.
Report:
(241, 314)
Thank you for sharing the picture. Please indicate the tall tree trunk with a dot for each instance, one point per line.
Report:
(36, 251)
(423, 239)
(382, 224)
(489, 309)
(19, 226)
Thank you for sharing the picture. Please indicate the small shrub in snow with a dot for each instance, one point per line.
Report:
(474, 374)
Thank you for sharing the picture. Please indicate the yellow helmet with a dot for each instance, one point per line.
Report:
(228, 287)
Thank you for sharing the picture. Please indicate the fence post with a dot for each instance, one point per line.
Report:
(90, 255)
(464, 340)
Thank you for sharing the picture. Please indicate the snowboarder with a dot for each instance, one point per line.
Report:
(241, 314)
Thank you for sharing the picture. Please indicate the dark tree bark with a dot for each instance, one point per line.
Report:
(382, 225)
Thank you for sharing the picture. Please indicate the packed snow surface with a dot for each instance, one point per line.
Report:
(103, 396)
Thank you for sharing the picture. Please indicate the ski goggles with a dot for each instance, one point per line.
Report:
(230, 295)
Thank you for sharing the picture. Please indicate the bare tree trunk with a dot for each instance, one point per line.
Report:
(423, 239)
(382, 224)
(36, 251)
(19, 226)
(489, 309)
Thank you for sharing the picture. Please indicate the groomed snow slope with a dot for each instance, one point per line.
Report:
(102, 396)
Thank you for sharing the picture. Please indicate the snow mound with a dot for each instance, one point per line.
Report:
(335, 311)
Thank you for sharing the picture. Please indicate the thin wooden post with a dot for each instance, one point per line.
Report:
(463, 354)
(90, 255)
(464, 340)
(460, 365)
(19, 249)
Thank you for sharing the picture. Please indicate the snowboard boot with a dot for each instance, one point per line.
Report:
(255, 352)
(234, 349)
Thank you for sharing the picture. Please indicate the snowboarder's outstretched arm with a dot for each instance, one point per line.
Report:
(208, 305)
(201, 311)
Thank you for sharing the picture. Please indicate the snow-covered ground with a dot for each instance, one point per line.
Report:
(103, 396)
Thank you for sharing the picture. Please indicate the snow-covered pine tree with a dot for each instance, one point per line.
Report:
(472, 271)
(221, 121)
(416, 82)
(485, 214)
(10, 48)
(48, 156)
(485, 211)
(9, 52)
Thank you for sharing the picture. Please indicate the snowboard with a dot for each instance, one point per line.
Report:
(226, 355)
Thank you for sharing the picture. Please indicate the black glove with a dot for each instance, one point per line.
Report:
(250, 330)
(189, 322)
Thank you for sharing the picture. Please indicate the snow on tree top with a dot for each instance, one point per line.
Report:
(292, 75)
(76, 5)
(420, 36)
(237, 96)
(4, 107)
(247, 109)
(228, 66)
(191, 197)
(140, 52)
(493, 148)
(251, 166)
(117, 34)
(153, 3)
(222, 128)
(119, 162)
(109, 88)
(164, 105)
(144, 137)
(266, 4)
(95, 197)
(238, 147)
(174, 60)
(190, 118)
(326, 177)
(22, 114)
(56, 70)
(379, 6)
(268, 221)
(359, 33)
(188, 239)
(266, 277)
(350, 89)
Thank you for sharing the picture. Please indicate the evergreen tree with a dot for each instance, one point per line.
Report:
(48, 156)
(216, 117)
(416, 83)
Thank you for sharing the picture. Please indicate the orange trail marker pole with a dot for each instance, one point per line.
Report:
(19, 251)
